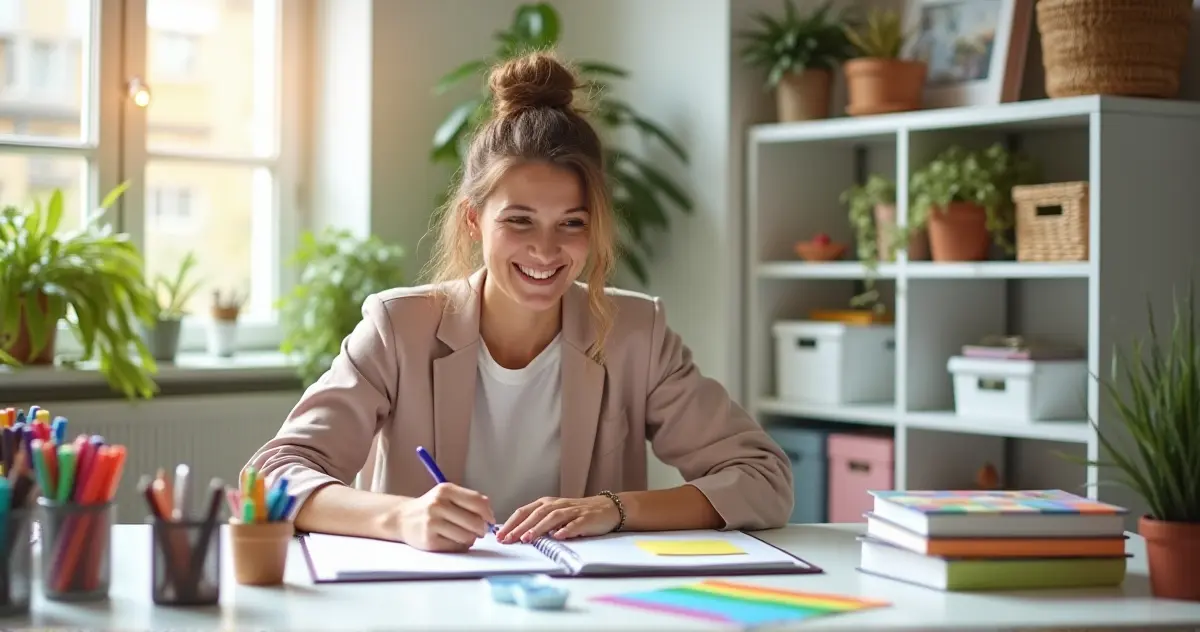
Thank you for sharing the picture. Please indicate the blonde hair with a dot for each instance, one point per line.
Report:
(534, 119)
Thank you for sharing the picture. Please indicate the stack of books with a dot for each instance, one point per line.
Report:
(994, 540)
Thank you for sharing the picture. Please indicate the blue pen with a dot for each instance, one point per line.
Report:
(59, 429)
(437, 475)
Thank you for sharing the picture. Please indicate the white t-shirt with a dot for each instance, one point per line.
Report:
(513, 448)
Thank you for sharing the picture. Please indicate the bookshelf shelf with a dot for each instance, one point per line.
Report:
(1137, 156)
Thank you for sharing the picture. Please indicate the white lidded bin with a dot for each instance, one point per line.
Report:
(1020, 390)
(834, 363)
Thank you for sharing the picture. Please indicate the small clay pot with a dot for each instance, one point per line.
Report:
(885, 227)
(878, 85)
(804, 96)
(260, 551)
(959, 232)
(1173, 555)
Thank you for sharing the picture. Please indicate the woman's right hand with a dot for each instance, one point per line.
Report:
(447, 518)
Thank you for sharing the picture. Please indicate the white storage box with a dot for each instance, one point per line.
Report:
(1020, 390)
(835, 363)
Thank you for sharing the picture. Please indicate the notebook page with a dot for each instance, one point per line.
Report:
(621, 551)
(345, 558)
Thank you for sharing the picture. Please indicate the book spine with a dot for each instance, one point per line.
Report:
(559, 553)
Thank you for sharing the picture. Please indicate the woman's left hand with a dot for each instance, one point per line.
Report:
(566, 517)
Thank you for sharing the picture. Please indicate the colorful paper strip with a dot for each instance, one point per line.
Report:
(744, 604)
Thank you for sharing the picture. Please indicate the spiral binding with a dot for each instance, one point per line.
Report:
(557, 551)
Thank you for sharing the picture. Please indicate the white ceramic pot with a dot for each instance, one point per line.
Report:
(222, 338)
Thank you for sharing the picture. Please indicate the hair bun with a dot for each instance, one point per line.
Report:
(536, 80)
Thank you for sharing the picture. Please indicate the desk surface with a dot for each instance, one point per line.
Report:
(300, 604)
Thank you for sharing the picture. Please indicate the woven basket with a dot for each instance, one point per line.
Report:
(1115, 47)
(1052, 221)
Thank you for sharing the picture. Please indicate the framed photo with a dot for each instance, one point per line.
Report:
(974, 49)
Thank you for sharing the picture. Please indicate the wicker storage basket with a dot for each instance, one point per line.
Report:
(1052, 221)
(1116, 47)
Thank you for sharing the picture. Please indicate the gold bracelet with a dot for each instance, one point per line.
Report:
(620, 508)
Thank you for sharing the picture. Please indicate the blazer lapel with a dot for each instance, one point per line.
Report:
(582, 394)
(454, 379)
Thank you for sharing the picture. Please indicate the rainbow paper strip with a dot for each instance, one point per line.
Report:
(737, 603)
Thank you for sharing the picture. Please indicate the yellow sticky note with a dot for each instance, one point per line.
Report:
(689, 547)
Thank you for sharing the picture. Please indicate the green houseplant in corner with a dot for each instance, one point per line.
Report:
(963, 196)
(642, 193)
(338, 271)
(91, 278)
(172, 294)
(798, 54)
(1158, 403)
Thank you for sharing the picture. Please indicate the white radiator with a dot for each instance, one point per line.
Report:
(214, 434)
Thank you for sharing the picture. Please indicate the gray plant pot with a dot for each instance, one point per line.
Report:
(163, 340)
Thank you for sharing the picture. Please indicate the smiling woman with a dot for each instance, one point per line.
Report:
(535, 384)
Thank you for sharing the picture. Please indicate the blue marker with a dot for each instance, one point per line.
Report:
(437, 475)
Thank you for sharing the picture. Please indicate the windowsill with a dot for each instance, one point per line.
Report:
(191, 374)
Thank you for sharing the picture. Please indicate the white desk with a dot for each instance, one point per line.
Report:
(465, 605)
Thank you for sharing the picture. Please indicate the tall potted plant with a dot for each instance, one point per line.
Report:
(642, 193)
(964, 196)
(338, 271)
(92, 278)
(878, 80)
(799, 55)
(173, 294)
(1154, 394)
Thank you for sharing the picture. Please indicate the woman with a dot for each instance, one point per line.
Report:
(535, 393)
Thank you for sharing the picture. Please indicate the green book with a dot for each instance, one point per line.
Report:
(886, 560)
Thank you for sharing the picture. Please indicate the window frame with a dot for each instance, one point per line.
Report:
(117, 151)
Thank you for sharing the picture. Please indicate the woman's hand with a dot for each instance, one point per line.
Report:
(565, 517)
(445, 518)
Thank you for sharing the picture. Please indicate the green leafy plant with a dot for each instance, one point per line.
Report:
(642, 193)
(881, 36)
(1155, 393)
(174, 292)
(984, 177)
(338, 271)
(93, 278)
(795, 43)
(860, 200)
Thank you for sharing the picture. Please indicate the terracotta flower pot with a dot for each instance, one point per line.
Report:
(885, 227)
(1173, 554)
(878, 85)
(22, 347)
(959, 232)
(804, 96)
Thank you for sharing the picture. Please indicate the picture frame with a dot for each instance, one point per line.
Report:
(975, 50)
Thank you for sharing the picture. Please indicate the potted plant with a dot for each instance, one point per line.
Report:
(643, 193)
(1154, 392)
(871, 208)
(338, 271)
(963, 196)
(92, 278)
(173, 294)
(799, 55)
(222, 328)
(878, 80)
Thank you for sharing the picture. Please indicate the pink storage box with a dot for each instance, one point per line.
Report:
(858, 464)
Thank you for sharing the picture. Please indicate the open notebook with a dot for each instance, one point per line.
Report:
(334, 558)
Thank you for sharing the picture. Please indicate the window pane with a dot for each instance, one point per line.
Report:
(45, 64)
(224, 215)
(212, 74)
(28, 177)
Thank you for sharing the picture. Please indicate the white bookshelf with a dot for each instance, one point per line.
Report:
(1142, 160)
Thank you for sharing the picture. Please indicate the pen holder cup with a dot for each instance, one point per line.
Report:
(186, 566)
(16, 563)
(260, 551)
(76, 542)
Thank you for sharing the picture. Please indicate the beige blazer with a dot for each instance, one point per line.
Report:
(406, 376)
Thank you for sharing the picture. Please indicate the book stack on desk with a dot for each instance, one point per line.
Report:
(994, 540)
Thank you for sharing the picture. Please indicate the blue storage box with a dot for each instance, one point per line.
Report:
(806, 449)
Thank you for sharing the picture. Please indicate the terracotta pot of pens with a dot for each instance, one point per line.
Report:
(260, 530)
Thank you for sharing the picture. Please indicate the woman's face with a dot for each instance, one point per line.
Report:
(534, 232)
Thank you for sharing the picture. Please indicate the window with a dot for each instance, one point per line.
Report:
(211, 168)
